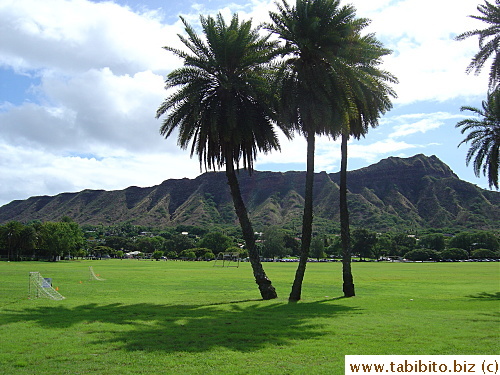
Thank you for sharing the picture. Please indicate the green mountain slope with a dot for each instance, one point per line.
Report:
(395, 193)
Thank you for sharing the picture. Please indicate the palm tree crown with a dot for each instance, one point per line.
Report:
(223, 106)
(489, 41)
(484, 135)
(316, 35)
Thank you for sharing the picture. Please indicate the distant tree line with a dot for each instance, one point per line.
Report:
(66, 240)
(37, 240)
(431, 246)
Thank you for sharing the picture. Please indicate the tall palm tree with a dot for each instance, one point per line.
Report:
(324, 83)
(489, 41)
(370, 97)
(315, 33)
(484, 137)
(223, 107)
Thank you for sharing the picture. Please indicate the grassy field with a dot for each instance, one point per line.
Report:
(162, 317)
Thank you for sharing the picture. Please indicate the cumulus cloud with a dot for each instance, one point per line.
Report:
(78, 35)
(428, 62)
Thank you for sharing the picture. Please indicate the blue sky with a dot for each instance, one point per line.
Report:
(80, 82)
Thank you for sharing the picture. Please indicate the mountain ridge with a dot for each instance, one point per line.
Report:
(416, 192)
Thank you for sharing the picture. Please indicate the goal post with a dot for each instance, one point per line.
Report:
(40, 287)
(227, 260)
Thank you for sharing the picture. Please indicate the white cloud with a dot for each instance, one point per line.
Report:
(428, 62)
(373, 152)
(328, 152)
(425, 122)
(89, 110)
(29, 172)
(78, 35)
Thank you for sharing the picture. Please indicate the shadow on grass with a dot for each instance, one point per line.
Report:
(190, 328)
(486, 296)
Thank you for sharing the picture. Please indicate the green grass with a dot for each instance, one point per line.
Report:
(191, 318)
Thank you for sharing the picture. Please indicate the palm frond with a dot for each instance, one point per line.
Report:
(483, 137)
(488, 41)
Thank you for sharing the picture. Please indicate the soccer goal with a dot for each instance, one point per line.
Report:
(41, 287)
(93, 276)
(227, 260)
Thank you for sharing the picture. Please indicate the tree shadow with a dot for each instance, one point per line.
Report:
(486, 296)
(190, 328)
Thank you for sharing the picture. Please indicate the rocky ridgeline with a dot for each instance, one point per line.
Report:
(394, 193)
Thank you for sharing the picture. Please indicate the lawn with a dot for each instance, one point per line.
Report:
(163, 317)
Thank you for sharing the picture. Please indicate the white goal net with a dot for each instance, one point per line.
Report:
(93, 276)
(40, 287)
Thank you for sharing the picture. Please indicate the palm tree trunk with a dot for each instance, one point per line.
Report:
(345, 236)
(266, 288)
(307, 220)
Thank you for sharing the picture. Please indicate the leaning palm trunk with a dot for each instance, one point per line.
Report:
(348, 284)
(307, 220)
(266, 288)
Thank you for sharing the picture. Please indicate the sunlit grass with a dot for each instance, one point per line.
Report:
(191, 318)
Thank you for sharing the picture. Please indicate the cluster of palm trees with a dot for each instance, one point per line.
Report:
(311, 71)
(484, 130)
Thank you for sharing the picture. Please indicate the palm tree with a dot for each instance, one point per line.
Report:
(323, 83)
(484, 137)
(370, 97)
(224, 108)
(489, 41)
(315, 34)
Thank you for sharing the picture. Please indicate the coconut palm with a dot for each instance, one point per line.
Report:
(370, 98)
(484, 135)
(315, 34)
(327, 81)
(489, 41)
(223, 108)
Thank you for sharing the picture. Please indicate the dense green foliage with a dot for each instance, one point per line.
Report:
(115, 241)
(454, 254)
(49, 240)
(484, 254)
(422, 255)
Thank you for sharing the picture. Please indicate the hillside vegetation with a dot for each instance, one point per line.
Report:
(395, 193)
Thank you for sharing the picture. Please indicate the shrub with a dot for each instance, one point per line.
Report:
(483, 254)
(199, 252)
(422, 254)
(188, 254)
(208, 255)
(157, 254)
(171, 254)
(454, 253)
